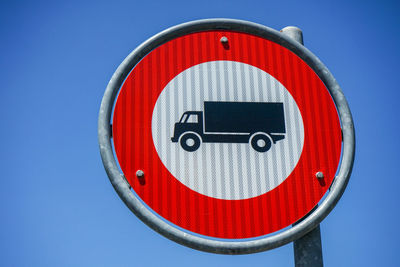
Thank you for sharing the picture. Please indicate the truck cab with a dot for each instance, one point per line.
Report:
(191, 121)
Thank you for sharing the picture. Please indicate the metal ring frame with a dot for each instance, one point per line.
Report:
(185, 238)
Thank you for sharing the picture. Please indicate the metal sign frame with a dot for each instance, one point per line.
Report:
(186, 238)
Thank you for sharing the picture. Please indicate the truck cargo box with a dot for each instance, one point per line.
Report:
(244, 117)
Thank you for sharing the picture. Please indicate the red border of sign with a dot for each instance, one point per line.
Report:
(201, 214)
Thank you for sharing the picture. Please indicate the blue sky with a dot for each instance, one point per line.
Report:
(57, 205)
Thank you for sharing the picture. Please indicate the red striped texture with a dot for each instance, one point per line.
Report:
(201, 214)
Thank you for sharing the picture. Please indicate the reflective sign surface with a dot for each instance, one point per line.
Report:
(229, 135)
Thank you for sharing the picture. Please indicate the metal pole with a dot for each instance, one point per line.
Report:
(308, 248)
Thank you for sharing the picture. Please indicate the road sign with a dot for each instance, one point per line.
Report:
(224, 129)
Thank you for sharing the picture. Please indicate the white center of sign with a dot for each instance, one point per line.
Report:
(227, 130)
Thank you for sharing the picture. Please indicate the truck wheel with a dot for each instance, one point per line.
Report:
(261, 142)
(190, 142)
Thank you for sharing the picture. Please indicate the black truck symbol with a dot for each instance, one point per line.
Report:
(261, 124)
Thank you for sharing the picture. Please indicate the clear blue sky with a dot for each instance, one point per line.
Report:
(57, 205)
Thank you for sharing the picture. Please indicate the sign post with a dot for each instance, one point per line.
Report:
(226, 134)
(308, 248)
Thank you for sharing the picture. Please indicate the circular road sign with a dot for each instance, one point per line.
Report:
(226, 132)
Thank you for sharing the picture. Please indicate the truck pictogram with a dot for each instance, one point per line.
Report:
(258, 123)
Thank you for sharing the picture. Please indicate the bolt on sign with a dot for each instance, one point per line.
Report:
(226, 130)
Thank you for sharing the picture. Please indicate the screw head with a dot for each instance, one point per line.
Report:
(139, 173)
(223, 39)
(319, 175)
